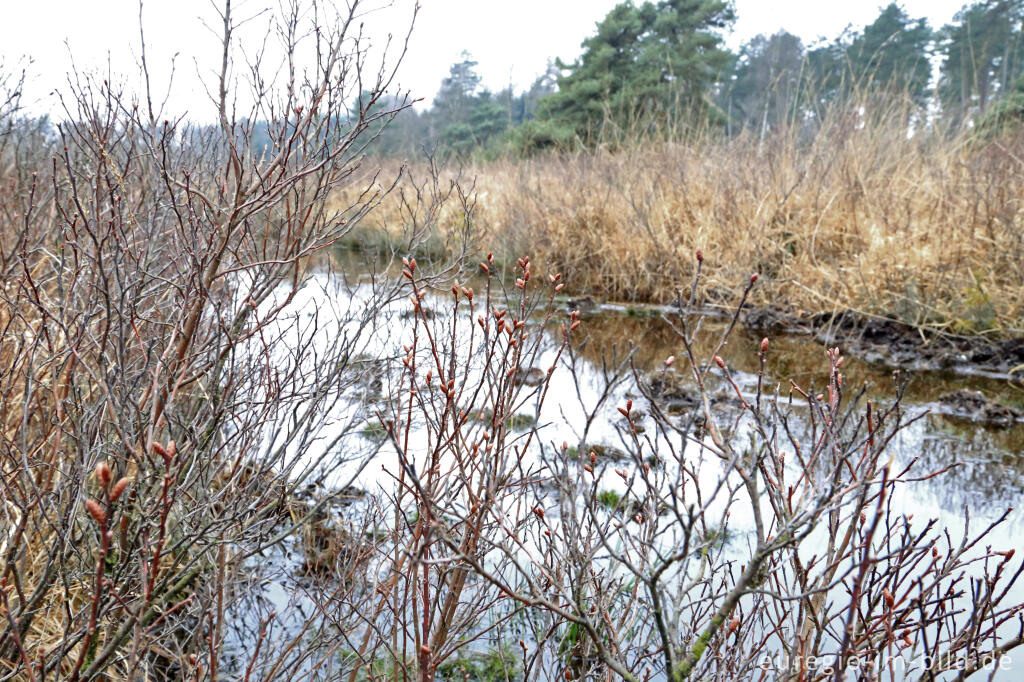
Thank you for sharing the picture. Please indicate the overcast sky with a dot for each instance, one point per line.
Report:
(511, 39)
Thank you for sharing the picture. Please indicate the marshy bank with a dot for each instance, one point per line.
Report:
(853, 217)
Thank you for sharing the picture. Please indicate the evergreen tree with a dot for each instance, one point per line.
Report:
(983, 53)
(827, 73)
(891, 55)
(398, 129)
(465, 117)
(764, 94)
(453, 102)
(651, 63)
(544, 85)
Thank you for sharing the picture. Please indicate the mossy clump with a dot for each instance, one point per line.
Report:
(495, 665)
(609, 499)
(521, 422)
(608, 453)
(715, 538)
(517, 422)
(374, 431)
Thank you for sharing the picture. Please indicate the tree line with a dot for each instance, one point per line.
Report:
(661, 68)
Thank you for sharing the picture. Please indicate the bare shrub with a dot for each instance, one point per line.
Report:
(158, 390)
(765, 537)
(194, 390)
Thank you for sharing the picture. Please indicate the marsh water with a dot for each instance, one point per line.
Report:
(985, 460)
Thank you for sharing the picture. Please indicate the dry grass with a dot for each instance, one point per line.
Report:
(927, 231)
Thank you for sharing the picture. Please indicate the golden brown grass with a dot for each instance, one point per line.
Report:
(927, 230)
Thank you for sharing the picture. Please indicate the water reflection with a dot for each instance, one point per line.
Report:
(986, 468)
(984, 464)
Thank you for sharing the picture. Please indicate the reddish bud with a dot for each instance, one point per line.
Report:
(764, 345)
(719, 361)
(96, 511)
(483, 266)
(753, 278)
(700, 255)
(119, 487)
(103, 473)
(671, 359)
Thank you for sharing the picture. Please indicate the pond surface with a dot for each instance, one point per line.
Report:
(985, 460)
(988, 457)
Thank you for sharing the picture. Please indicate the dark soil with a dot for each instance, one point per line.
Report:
(895, 344)
(977, 407)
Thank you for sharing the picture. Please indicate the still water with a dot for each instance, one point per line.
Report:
(985, 461)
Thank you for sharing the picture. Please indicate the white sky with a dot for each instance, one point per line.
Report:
(511, 39)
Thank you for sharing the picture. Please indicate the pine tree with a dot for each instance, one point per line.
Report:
(891, 55)
(465, 117)
(984, 55)
(764, 94)
(647, 64)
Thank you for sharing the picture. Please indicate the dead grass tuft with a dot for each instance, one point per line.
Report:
(925, 230)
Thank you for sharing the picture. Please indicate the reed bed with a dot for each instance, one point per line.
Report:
(924, 229)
